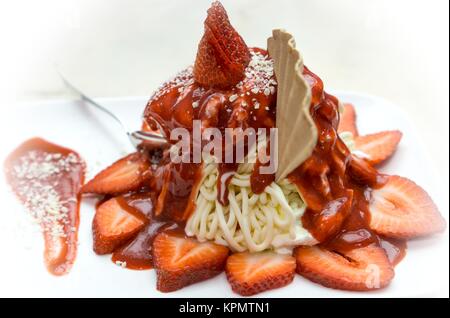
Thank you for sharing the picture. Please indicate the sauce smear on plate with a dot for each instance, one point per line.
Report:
(47, 178)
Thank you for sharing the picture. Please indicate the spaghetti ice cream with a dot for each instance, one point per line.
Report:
(326, 213)
(250, 222)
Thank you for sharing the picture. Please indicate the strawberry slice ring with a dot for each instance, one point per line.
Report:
(125, 175)
(360, 269)
(377, 148)
(253, 273)
(180, 261)
(114, 224)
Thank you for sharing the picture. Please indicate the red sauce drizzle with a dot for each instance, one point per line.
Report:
(336, 186)
(47, 178)
(395, 249)
(181, 101)
(258, 181)
(137, 254)
(175, 184)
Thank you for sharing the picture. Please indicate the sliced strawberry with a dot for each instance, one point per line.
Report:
(376, 148)
(347, 121)
(125, 175)
(361, 269)
(181, 261)
(115, 223)
(401, 209)
(222, 53)
(254, 273)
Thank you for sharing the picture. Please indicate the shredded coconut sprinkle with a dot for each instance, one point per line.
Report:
(233, 98)
(261, 74)
(259, 80)
(37, 176)
(181, 81)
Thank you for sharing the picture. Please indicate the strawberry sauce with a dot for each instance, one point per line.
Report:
(47, 178)
(249, 104)
(335, 185)
(137, 254)
(395, 249)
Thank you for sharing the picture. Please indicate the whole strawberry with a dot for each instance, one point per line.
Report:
(222, 53)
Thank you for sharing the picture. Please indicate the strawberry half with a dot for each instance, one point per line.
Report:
(347, 121)
(361, 269)
(125, 175)
(222, 53)
(253, 273)
(401, 209)
(115, 223)
(376, 148)
(181, 261)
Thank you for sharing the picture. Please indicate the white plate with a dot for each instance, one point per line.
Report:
(424, 272)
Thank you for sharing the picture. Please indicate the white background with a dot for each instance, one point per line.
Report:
(395, 49)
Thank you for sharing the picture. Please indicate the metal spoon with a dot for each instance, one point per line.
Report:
(137, 138)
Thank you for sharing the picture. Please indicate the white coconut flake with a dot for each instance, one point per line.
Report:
(260, 74)
(233, 98)
(180, 82)
(35, 185)
(121, 264)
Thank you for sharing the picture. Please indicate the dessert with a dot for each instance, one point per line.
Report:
(332, 217)
(213, 202)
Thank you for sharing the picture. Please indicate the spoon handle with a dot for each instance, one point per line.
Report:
(137, 138)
